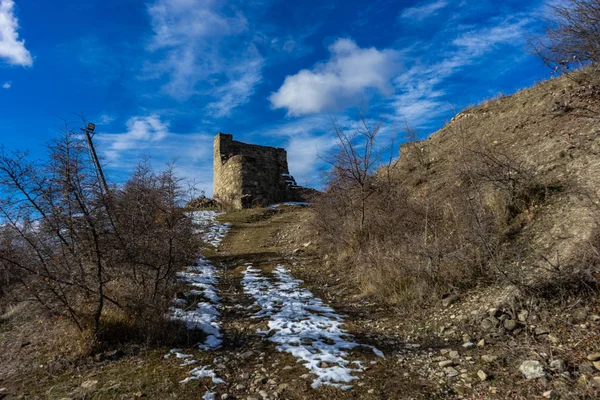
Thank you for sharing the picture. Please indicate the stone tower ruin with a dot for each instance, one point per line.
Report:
(247, 175)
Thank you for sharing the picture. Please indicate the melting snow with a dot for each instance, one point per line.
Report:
(289, 203)
(305, 327)
(202, 277)
(203, 372)
(207, 226)
(199, 309)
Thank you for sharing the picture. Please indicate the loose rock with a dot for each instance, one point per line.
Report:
(89, 384)
(532, 369)
(593, 357)
(558, 365)
(489, 358)
(482, 375)
(510, 324)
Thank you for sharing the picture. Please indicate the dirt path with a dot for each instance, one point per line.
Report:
(281, 341)
(267, 335)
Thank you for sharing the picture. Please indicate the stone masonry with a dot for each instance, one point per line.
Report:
(247, 175)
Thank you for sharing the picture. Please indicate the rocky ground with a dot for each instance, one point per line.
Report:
(278, 338)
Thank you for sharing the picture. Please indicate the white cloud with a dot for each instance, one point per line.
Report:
(140, 132)
(243, 77)
(12, 50)
(203, 47)
(7, 85)
(423, 11)
(150, 136)
(105, 119)
(419, 98)
(341, 80)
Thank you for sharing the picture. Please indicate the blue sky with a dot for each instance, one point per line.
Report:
(162, 77)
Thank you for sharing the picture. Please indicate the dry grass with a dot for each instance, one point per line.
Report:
(492, 197)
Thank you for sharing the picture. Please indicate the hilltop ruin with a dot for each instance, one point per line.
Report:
(248, 175)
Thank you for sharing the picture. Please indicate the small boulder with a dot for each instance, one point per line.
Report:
(593, 357)
(558, 365)
(542, 330)
(489, 358)
(482, 375)
(89, 384)
(551, 394)
(532, 369)
(446, 363)
(453, 298)
(489, 324)
(510, 325)
(523, 315)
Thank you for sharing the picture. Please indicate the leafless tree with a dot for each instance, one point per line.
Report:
(74, 247)
(353, 163)
(572, 35)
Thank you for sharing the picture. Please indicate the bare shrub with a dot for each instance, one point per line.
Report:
(572, 38)
(75, 248)
(157, 238)
(416, 240)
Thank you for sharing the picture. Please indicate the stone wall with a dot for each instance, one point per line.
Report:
(247, 175)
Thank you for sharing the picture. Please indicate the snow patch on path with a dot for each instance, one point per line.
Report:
(203, 372)
(305, 327)
(203, 278)
(199, 308)
(211, 231)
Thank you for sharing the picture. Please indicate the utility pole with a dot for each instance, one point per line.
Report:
(89, 130)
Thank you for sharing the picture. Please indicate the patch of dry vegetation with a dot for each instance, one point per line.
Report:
(502, 194)
(104, 260)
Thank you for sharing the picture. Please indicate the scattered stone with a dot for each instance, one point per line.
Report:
(582, 381)
(586, 369)
(296, 252)
(558, 365)
(580, 315)
(489, 358)
(482, 375)
(240, 387)
(247, 354)
(263, 394)
(597, 365)
(532, 369)
(552, 338)
(542, 330)
(446, 363)
(523, 315)
(89, 384)
(371, 391)
(453, 298)
(281, 388)
(453, 354)
(551, 394)
(489, 324)
(596, 382)
(593, 357)
(481, 343)
(467, 338)
(469, 345)
(510, 325)
(451, 372)
(225, 396)
(595, 318)
(493, 312)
